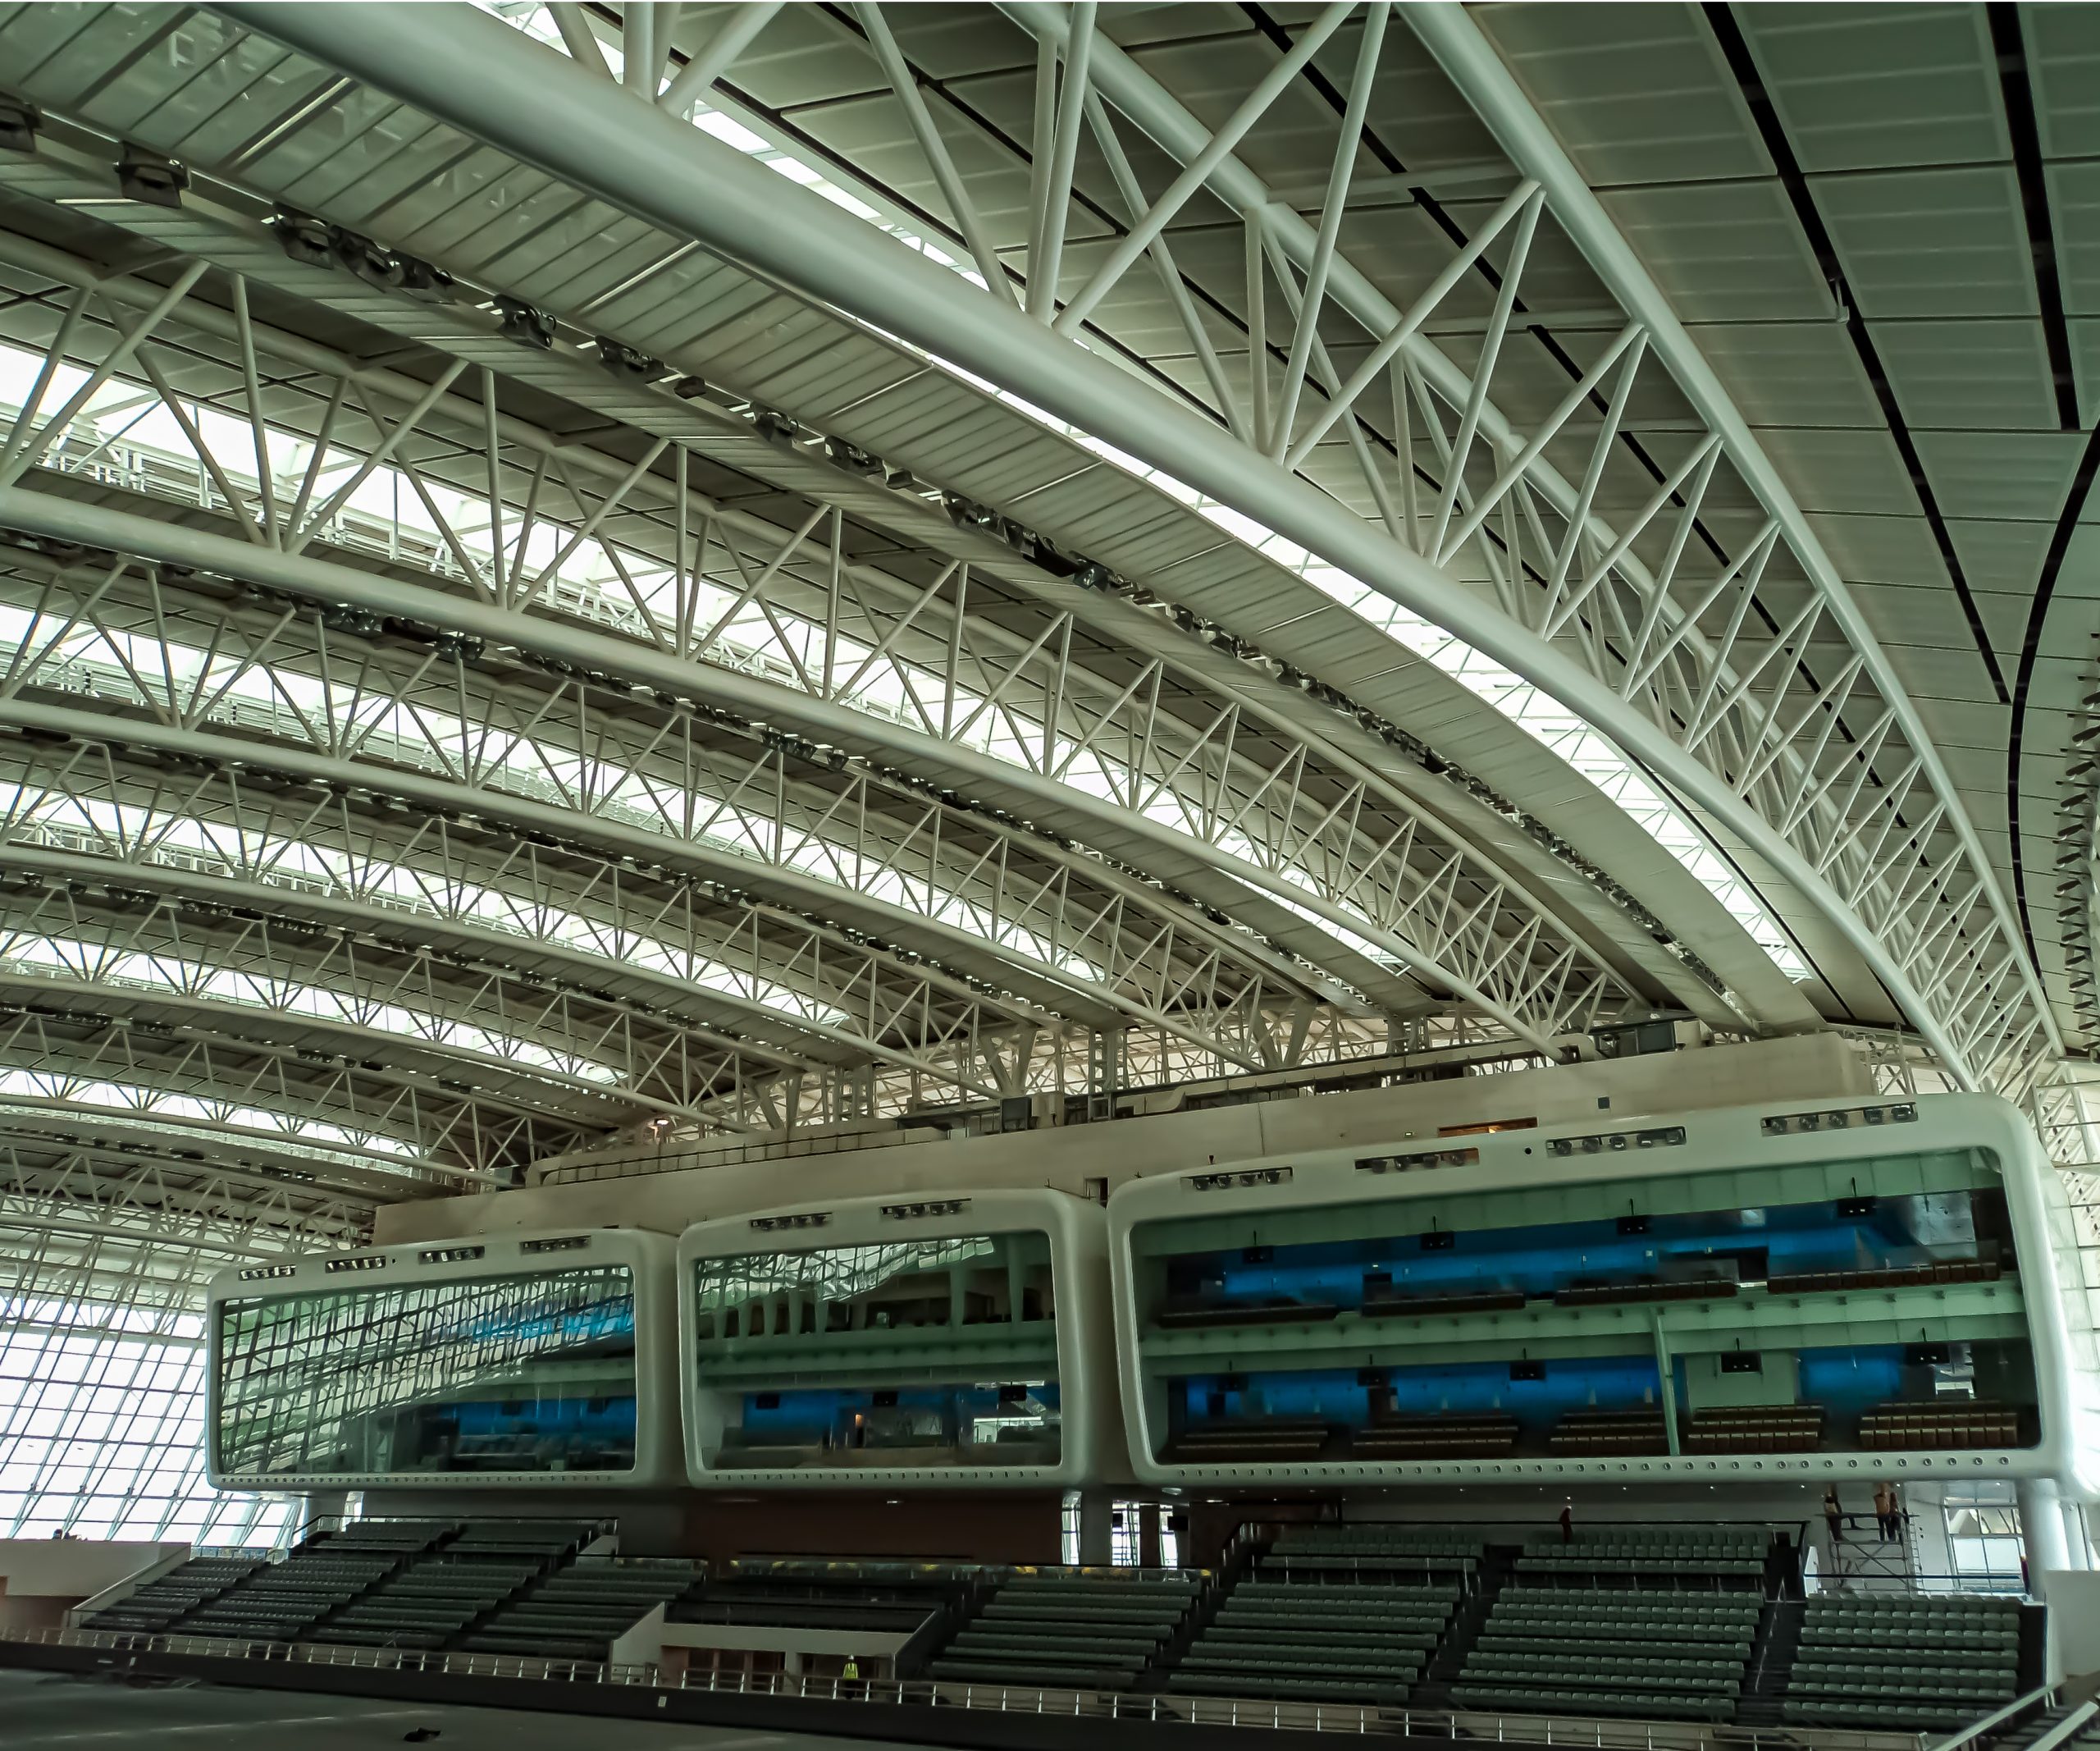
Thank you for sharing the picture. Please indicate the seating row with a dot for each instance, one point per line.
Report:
(152, 1608)
(1269, 1441)
(577, 1612)
(401, 1535)
(1485, 1435)
(1383, 1301)
(1893, 1276)
(1616, 1603)
(1195, 1316)
(1669, 1654)
(1907, 1427)
(1584, 1433)
(1372, 1540)
(1935, 1605)
(1365, 1641)
(1675, 1638)
(380, 1582)
(1640, 1432)
(1591, 1294)
(425, 1604)
(1391, 1306)
(1089, 1630)
(882, 1596)
(1650, 1541)
(1756, 1429)
(1905, 1662)
(1625, 1605)
(490, 1587)
(1713, 1568)
(1638, 1703)
(1927, 1716)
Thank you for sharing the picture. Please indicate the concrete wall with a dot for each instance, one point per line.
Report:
(2073, 1597)
(1707, 1387)
(1520, 1509)
(1022, 1528)
(1810, 1068)
(42, 1578)
(676, 1647)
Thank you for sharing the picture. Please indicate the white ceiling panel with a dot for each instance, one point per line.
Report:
(1988, 376)
(1864, 86)
(1938, 243)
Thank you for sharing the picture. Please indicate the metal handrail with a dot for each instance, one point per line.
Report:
(2044, 1695)
(1565, 1733)
(2069, 1727)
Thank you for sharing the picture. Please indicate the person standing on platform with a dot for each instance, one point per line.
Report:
(1568, 1523)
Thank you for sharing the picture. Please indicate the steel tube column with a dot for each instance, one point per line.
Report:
(2042, 1528)
(2077, 1538)
(467, 69)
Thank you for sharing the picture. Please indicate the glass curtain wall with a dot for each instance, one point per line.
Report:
(1984, 1537)
(526, 1374)
(102, 1398)
(938, 1350)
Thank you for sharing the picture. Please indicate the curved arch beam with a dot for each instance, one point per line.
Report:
(1432, 815)
(118, 798)
(393, 925)
(404, 1062)
(89, 1190)
(465, 68)
(1487, 85)
(873, 836)
(115, 937)
(274, 1162)
(788, 886)
(57, 519)
(236, 1078)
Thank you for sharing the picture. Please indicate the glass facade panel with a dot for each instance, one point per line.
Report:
(508, 1374)
(1984, 1546)
(1872, 1306)
(101, 1422)
(907, 1353)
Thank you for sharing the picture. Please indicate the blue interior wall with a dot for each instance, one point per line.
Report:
(1341, 1395)
(1539, 1259)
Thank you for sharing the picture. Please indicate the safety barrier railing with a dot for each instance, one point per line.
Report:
(1572, 1732)
(373, 1659)
(678, 1157)
(1999, 1719)
(1914, 1584)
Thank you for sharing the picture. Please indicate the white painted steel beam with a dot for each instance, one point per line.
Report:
(1330, 856)
(1472, 65)
(467, 69)
(95, 526)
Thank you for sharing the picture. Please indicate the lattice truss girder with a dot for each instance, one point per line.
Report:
(606, 964)
(343, 890)
(1624, 539)
(161, 1202)
(135, 1053)
(1221, 781)
(480, 909)
(534, 758)
(549, 1054)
